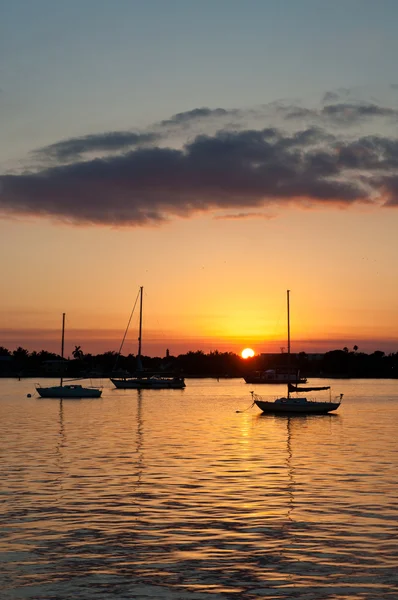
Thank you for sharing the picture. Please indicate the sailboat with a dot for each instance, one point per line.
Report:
(67, 391)
(143, 379)
(277, 375)
(292, 404)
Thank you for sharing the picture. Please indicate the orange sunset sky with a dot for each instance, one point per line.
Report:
(215, 170)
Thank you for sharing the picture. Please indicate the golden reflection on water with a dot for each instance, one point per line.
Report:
(171, 493)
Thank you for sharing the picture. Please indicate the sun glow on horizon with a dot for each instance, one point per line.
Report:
(247, 353)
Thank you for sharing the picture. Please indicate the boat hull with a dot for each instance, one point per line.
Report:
(150, 383)
(298, 408)
(260, 379)
(68, 391)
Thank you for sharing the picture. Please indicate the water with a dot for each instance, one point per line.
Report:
(173, 494)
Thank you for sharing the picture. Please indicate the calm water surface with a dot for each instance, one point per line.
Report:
(173, 494)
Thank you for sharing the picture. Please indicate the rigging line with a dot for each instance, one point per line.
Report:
(128, 324)
(127, 328)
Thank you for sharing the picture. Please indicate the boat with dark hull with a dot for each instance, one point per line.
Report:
(142, 379)
(296, 404)
(152, 382)
(278, 375)
(68, 391)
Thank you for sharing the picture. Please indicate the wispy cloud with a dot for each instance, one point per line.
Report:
(336, 95)
(351, 113)
(245, 215)
(110, 141)
(342, 113)
(200, 114)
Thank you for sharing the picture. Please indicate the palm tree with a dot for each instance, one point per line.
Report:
(77, 353)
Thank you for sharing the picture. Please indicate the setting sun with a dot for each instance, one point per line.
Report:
(247, 353)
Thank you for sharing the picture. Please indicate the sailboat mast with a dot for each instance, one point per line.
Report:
(288, 323)
(62, 346)
(140, 329)
(288, 342)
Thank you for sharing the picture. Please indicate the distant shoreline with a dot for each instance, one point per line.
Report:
(190, 376)
(336, 364)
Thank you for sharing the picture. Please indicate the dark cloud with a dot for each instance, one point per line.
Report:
(370, 153)
(312, 136)
(110, 141)
(132, 178)
(239, 171)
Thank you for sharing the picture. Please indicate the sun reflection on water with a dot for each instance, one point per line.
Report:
(163, 493)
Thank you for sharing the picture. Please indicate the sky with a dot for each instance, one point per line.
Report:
(216, 153)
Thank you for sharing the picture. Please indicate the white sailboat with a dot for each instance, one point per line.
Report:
(292, 404)
(67, 391)
(143, 379)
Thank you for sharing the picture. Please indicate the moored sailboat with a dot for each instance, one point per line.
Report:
(278, 375)
(297, 405)
(70, 390)
(143, 379)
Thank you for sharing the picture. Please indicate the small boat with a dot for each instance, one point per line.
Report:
(67, 391)
(296, 405)
(302, 406)
(277, 375)
(143, 379)
(152, 382)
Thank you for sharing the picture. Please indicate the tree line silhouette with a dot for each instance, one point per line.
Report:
(335, 363)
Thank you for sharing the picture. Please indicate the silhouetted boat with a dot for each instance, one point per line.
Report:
(277, 375)
(67, 391)
(152, 382)
(296, 405)
(143, 379)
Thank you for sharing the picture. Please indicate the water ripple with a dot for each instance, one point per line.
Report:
(174, 495)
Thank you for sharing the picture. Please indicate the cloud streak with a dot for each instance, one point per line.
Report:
(341, 113)
(354, 112)
(199, 114)
(111, 141)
